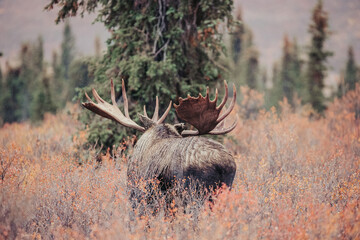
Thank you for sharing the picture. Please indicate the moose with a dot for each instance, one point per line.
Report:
(167, 152)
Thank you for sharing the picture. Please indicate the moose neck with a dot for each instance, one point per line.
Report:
(155, 134)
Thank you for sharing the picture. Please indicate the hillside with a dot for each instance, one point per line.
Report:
(22, 21)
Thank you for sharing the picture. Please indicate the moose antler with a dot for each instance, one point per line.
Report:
(204, 115)
(112, 112)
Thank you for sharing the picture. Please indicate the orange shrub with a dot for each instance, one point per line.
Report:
(297, 178)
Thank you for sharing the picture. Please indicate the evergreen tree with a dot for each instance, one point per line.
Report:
(291, 72)
(13, 88)
(341, 86)
(2, 95)
(263, 80)
(67, 50)
(164, 48)
(58, 81)
(317, 57)
(55, 65)
(24, 84)
(351, 76)
(42, 99)
(244, 57)
(286, 76)
(61, 64)
(38, 55)
(81, 74)
(2, 85)
(297, 72)
(275, 93)
(237, 38)
(29, 74)
(237, 61)
(251, 61)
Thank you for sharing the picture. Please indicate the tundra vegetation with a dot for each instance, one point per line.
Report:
(297, 157)
(296, 178)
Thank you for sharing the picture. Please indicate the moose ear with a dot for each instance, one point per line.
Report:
(179, 127)
(147, 122)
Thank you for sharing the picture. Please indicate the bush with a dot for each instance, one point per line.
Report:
(296, 178)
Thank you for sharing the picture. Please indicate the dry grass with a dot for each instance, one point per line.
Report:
(297, 178)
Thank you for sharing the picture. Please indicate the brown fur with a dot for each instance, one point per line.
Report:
(163, 154)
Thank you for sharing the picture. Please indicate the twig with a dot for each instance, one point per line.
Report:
(164, 46)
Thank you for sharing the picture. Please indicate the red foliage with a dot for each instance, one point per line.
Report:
(297, 178)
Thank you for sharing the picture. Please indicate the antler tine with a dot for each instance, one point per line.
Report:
(232, 104)
(111, 111)
(220, 130)
(156, 111)
(222, 104)
(88, 98)
(165, 114)
(203, 114)
(145, 113)
(97, 97)
(112, 92)
(187, 133)
(222, 123)
(126, 104)
(216, 95)
(113, 100)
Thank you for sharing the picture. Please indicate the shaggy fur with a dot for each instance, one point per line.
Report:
(163, 154)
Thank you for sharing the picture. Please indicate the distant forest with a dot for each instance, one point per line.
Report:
(156, 55)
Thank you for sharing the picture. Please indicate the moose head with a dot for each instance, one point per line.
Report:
(168, 152)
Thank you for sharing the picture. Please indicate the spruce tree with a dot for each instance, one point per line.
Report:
(57, 87)
(291, 71)
(29, 74)
(287, 80)
(237, 38)
(2, 85)
(67, 50)
(164, 48)
(251, 61)
(18, 86)
(80, 74)
(62, 88)
(2, 95)
(38, 55)
(297, 72)
(24, 84)
(316, 71)
(263, 86)
(243, 55)
(42, 97)
(275, 93)
(13, 89)
(42, 100)
(351, 76)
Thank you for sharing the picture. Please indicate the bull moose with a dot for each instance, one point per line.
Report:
(168, 152)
